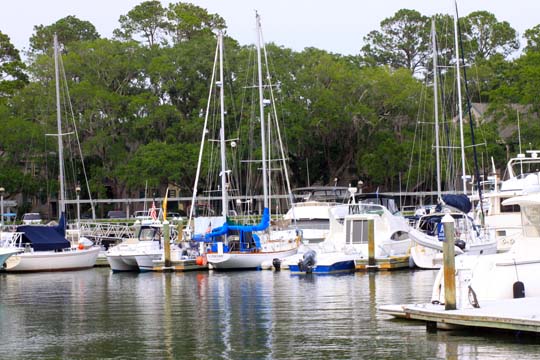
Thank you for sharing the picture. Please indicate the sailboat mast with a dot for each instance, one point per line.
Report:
(261, 108)
(224, 200)
(61, 201)
(436, 107)
(458, 79)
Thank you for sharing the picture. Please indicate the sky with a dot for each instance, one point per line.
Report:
(337, 26)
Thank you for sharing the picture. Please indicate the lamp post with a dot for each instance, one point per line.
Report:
(78, 191)
(2, 190)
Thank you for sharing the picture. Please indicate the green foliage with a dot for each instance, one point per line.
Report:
(12, 69)
(187, 21)
(485, 36)
(139, 109)
(69, 30)
(402, 42)
(146, 20)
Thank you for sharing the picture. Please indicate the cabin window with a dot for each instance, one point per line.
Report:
(509, 208)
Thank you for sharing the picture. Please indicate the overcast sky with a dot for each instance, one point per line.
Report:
(334, 25)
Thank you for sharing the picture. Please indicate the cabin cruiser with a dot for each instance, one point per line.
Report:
(347, 241)
(505, 275)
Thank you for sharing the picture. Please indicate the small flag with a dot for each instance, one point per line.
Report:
(164, 206)
(153, 211)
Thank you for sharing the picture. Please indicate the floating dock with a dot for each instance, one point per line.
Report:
(510, 314)
(179, 265)
(389, 263)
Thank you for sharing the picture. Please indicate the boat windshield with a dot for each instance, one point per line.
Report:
(148, 234)
(366, 209)
(530, 217)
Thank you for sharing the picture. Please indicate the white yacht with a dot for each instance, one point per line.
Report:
(506, 275)
(347, 242)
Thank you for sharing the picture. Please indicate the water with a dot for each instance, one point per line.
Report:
(236, 315)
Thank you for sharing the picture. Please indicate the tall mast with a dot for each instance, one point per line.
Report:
(61, 201)
(204, 132)
(458, 79)
(224, 200)
(436, 107)
(261, 108)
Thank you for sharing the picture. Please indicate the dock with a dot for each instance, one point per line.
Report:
(509, 315)
(389, 263)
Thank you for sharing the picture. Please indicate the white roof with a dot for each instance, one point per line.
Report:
(531, 199)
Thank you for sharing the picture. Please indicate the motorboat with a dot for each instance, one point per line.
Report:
(506, 275)
(504, 221)
(5, 253)
(144, 248)
(346, 246)
(469, 236)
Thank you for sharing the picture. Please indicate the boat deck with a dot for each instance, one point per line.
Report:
(509, 314)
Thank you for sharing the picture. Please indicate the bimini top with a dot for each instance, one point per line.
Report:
(45, 238)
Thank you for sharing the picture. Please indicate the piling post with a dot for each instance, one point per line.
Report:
(167, 243)
(449, 263)
(371, 244)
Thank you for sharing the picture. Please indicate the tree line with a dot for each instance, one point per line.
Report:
(137, 100)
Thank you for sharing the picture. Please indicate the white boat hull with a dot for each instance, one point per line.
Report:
(119, 262)
(426, 258)
(238, 260)
(53, 261)
(5, 253)
(145, 262)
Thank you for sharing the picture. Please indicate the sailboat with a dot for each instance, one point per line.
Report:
(470, 238)
(45, 248)
(227, 244)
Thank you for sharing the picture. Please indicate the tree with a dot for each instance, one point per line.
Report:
(485, 36)
(12, 69)
(186, 20)
(532, 36)
(69, 30)
(146, 19)
(403, 41)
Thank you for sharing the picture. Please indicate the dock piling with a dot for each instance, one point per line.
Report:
(449, 263)
(167, 243)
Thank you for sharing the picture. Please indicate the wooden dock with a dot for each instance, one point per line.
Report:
(509, 314)
(389, 263)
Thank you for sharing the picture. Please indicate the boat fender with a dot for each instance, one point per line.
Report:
(81, 246)
(277, 264)
(460, 244)
(519, 287)
(519, 290)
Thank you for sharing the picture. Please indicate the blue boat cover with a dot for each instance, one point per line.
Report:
(459, 201)
(45, 238)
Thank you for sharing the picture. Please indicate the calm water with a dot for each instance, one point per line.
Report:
(241, 315)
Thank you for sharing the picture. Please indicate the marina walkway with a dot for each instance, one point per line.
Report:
(510, 314)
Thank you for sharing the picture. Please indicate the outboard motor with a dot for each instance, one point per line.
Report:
(308, 262)
(277, 264)
(460, 244)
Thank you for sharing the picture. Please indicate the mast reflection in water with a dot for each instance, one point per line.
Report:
(237, 315)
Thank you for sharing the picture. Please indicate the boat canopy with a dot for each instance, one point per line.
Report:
(45, 238)
(458, 201)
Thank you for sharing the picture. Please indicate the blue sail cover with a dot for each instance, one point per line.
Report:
(45, 238)
(459, 201)
(245, 233)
